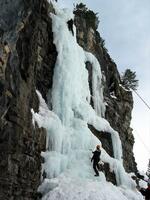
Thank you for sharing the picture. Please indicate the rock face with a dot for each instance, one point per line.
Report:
(27, 60)
(28, 56)
(119, 101)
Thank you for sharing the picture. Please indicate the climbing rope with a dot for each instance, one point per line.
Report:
(136, 130)
(141, 99)
(141, 140)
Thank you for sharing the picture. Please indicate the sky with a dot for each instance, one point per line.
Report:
(125, 27)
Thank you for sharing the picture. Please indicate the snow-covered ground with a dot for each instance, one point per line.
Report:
(69, 173)
(67, 188)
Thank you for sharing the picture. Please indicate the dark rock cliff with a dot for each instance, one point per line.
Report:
(27, 60)
(119, 101)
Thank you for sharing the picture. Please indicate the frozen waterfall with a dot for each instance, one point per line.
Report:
(69, 139)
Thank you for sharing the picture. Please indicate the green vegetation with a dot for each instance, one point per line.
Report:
(92, 21)
(91, 17)
(128, 80)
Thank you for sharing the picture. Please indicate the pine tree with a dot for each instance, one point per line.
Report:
(81, 6)
(128, 80)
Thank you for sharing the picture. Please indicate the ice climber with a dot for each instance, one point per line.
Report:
(70, 26)
(96, 158)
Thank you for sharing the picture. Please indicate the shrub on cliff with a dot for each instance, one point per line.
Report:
(89, 15)
(128, 80)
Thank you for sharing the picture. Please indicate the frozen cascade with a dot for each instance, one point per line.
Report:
(67, 159)
(97, 88)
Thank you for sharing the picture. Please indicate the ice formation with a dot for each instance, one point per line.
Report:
(69, 140)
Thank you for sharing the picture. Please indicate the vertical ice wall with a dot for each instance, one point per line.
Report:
(97, 87)
(69, 139)
(70, 92)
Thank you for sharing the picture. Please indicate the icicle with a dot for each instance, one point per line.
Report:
(97, 88)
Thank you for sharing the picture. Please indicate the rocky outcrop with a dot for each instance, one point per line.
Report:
(28, 56)
(119, 101)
